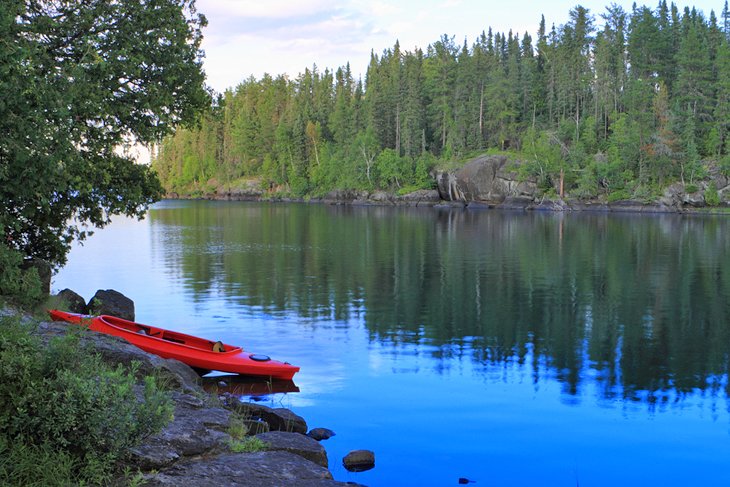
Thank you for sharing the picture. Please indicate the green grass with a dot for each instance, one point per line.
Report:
(250, 444)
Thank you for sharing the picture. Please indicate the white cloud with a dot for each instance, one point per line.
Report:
(272, 9)
(246, 37)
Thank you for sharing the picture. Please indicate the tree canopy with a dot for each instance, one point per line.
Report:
(614, 102)
(79, 80)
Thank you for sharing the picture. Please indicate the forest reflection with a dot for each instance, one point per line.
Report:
(642, 302)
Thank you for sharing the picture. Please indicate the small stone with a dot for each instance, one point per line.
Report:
(359, 460)
(222, 383)
(320, 434)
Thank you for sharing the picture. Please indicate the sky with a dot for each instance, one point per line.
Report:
(253, 37)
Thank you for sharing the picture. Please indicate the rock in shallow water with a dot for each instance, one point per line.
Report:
(359, 460)
(320, 434)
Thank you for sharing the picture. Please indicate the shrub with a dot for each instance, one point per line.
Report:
(62, 405)
(725, 165)
(618, 195)
(22, 287)
(712, 197)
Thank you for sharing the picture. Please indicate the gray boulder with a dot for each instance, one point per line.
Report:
(296, 443)
(673, 196)
(111, 302)
(73, 302)
(382, 197)
(489, 179)
(696, 199)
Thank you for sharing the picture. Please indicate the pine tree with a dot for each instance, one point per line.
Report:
(439, 71)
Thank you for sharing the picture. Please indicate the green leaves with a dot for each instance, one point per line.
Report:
(85, 77)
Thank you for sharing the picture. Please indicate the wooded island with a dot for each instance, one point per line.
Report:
(619, 104)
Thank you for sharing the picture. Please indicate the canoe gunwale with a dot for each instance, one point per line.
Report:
(232, 349)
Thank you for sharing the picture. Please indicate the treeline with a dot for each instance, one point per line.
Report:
(626, 108)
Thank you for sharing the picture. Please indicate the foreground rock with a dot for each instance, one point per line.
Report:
(296, 443)
(262, 469)
(196, 429)
(194, 449)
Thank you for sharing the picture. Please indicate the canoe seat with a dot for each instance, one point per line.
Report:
(218, 347)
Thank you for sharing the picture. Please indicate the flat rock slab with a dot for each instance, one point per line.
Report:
(262, 469)
(296, 443)
(195, 430)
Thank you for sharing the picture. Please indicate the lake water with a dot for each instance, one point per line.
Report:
(509, 348)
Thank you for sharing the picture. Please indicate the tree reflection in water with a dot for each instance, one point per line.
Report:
(636, 306)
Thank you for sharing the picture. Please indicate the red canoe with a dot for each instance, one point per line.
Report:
(199, 353)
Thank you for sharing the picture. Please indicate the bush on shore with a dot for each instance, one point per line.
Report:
(20, 286)
(66, 417)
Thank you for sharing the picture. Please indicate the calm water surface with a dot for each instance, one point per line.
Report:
(513, 349)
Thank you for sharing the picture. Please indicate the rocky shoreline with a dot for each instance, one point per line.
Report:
(492, 182)
(198, 447)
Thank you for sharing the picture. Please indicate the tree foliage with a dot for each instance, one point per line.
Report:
(612, 101)
(78, 81)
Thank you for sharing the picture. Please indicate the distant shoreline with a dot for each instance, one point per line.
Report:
(381, 199)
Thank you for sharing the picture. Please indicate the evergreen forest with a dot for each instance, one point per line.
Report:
(617, 103)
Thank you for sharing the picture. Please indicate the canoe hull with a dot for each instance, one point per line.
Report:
(194, 351)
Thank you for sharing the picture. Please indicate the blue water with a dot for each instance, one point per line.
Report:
(513, 349)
